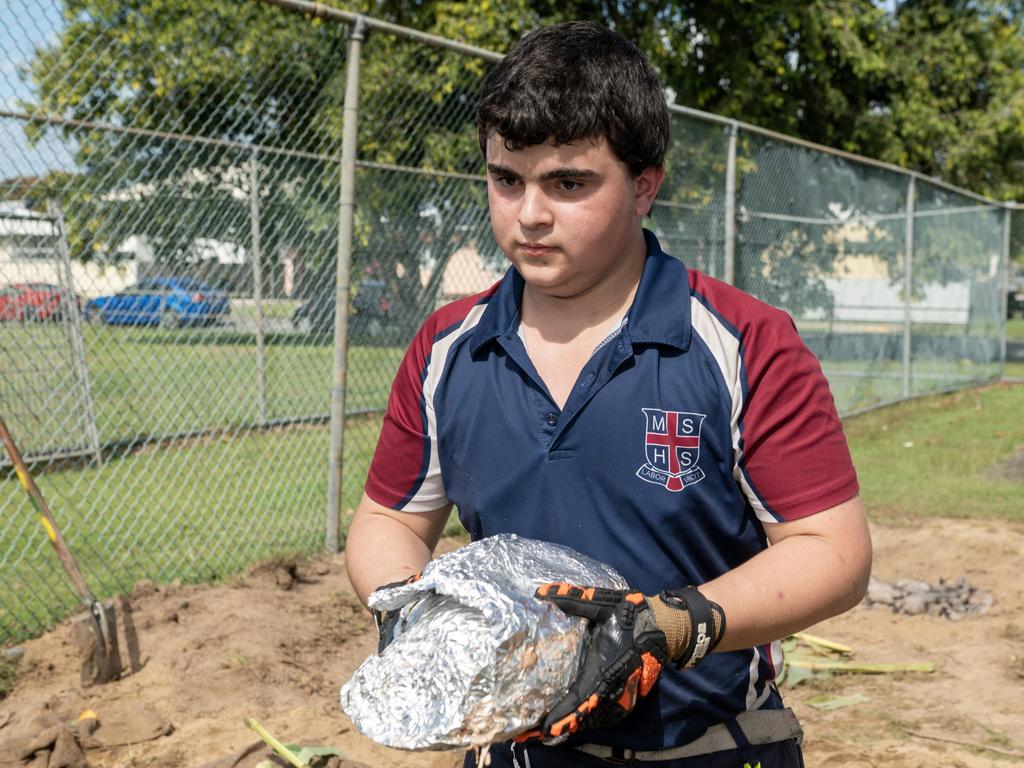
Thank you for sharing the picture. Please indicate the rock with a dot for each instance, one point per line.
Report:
(45, 741)
(913, 604)
(83, 730)
(124, 723)
(284, 577)
(42, 740)
(881, 592)
(948, 599)
(66, 752)
(979, 602)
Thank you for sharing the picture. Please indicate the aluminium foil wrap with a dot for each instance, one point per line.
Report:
(476, 657)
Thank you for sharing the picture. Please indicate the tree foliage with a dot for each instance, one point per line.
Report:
(955, 82)
(934, 86)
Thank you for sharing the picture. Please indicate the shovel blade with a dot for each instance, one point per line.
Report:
(96, 641)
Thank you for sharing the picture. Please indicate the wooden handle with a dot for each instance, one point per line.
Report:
(46, 518)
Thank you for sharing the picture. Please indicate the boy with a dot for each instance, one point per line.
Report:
(605, 397)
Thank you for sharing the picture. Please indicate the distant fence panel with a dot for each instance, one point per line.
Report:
(176, 183)
(176, 419)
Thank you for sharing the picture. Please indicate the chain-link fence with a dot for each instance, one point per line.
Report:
(180, 208)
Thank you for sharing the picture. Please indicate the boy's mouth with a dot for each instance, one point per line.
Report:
(535, 249)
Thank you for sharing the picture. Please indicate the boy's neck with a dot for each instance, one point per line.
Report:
(561, 319)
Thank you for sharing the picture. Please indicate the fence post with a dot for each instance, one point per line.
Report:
(75, 341)
(729, 267)
(1005, 303)
(908, 278)
(257, 284)
(346, 211)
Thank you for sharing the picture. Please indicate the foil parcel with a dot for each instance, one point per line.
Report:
(476, 657)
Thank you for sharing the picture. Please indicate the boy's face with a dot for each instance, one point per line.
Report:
(568, 217)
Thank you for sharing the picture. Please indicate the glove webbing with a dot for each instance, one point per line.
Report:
(686, 646)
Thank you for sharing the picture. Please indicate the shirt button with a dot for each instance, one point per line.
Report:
(552, 419)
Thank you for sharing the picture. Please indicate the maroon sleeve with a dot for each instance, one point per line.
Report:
(402, 457)
(792, 456)
(405, 472)
(794, 451)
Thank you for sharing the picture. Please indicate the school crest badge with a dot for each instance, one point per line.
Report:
(672, 447)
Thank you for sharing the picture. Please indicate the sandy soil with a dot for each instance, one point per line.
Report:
(277, 645)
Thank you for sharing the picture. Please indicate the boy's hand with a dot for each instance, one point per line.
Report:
(632, 637)
(625, 657)
(386, 621)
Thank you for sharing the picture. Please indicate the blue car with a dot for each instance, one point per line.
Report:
(169, 302)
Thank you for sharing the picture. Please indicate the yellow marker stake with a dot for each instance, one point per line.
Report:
(274, 744)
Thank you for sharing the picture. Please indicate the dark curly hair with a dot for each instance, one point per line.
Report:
(572, 81)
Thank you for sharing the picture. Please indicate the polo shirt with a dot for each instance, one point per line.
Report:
(702, 418)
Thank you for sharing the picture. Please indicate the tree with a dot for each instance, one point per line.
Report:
(956, 94)
(930, 85)
(258, 77)
(231, 76)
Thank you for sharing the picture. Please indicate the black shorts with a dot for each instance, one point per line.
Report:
(778, 754)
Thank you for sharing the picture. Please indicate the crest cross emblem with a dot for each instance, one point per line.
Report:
(672, 448)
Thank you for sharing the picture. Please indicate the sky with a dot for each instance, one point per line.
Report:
(24, 26)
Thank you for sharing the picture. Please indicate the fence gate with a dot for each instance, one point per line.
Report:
(44, 390)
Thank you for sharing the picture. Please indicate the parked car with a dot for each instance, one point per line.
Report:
(371, 310)
(170, 302)
(8, 304)
(31, 302)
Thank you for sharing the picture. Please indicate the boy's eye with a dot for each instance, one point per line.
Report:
(568, 185)
(505, 181)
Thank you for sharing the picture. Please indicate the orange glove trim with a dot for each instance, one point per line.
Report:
(533, 735)
(567, 724)
(649, 673)
(629, 692)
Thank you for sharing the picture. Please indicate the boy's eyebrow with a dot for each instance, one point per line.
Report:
(500, 170)
(569, 173)
(558, 173)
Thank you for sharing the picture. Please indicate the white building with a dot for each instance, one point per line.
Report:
(29, 253)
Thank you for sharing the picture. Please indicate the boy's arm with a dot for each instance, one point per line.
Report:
(385, 545)
(816, 567)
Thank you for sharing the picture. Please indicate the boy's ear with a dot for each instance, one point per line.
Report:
(647, 185)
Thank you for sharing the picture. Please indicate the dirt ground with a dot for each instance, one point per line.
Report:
(277, 645)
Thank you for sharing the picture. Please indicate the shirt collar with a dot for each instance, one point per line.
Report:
(660, 313)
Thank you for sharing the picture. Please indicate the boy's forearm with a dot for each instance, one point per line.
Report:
(819, 570)
(384, 546)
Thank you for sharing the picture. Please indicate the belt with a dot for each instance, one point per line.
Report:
(760, 726)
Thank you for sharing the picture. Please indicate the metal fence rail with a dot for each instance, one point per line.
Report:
(182, 202)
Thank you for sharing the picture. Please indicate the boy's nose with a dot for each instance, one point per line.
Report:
(533, 209)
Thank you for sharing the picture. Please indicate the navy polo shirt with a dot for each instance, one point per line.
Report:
(702, 418)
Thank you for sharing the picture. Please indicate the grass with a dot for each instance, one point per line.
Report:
(153, 382)
(272, 309)
(929, 457)
(200, 510)
(203, 508)
(8, 673)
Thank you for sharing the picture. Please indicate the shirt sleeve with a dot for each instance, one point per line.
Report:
(793, 454)
(405, 473)
(790, 453)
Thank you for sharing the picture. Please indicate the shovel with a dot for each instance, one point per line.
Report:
(95, 633)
